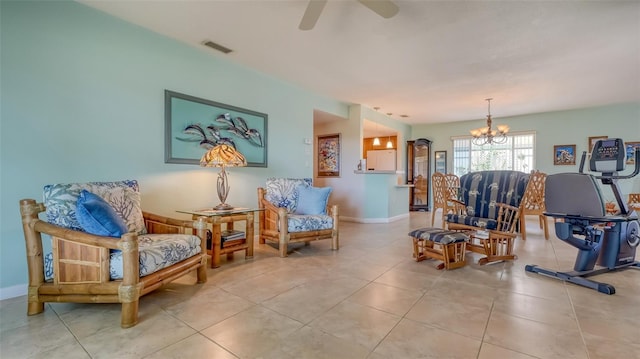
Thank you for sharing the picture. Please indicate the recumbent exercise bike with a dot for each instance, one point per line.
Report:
(574, 200)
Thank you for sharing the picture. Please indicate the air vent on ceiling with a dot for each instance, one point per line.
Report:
(215, 46)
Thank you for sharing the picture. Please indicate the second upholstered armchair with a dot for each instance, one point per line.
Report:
(292, 210)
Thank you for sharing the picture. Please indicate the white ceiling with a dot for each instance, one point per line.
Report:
(435, 61)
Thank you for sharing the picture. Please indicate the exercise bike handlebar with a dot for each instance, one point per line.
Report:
(635, 172)
(582, 161)
(636, 169)
(611, 178)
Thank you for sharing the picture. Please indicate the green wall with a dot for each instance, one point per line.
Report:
(83, 100)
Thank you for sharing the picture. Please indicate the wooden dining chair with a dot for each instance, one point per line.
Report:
(634, 201)
(445, 187)
(533, 203)
(452, 183)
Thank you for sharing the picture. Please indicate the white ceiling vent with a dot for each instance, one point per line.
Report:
(215, 46)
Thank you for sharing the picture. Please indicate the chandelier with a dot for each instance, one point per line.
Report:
(486, 135)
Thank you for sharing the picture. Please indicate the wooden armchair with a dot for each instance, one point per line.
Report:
(294, 211)
(489, 212)
(533, 203)
(90, 268)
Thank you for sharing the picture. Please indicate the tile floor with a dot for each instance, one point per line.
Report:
(367, 300)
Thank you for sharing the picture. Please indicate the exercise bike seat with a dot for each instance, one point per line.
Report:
(574, 195)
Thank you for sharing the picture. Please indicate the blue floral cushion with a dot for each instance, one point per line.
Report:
(48, 266)
(283, 192)
(304, 223)
(158, 251)
(97, 217)
(60, 201)
(312, 200)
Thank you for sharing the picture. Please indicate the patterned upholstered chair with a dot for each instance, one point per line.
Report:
(489, 211)
(295, 211)
(105, 249)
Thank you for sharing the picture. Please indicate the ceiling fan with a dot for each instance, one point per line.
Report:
(384, 8)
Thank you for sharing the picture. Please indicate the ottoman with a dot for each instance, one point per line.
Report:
(440, 244)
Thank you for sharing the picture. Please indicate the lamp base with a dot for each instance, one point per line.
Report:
(223, 207)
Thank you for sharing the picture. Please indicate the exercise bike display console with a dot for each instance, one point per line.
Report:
(574, 200)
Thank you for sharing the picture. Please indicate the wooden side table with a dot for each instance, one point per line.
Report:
(217, 218)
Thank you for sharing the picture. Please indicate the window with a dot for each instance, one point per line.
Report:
(516, 154)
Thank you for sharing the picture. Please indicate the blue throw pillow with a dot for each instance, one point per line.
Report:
(97, 217)
(312, 200)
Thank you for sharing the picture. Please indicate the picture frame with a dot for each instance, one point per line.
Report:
(194, 125)
(629, 148)
(564, 155)
(329, 148)
(441, 161)
(592, 141)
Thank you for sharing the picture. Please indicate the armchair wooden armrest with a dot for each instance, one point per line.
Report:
(269, 218)
(166, 225)
(458, 207)
(81, 238)
(267, 205)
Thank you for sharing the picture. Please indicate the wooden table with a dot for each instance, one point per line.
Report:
(216, 218)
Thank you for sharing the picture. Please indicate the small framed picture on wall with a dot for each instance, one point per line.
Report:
(630, 148)
(329, 155)
(564, 155)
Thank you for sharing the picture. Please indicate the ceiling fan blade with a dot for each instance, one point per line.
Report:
(311, 15)
(384, 8)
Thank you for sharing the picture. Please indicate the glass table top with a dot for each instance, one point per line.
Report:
(210, 212)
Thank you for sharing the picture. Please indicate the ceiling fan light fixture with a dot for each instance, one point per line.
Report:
(384, 8)
(312, 14)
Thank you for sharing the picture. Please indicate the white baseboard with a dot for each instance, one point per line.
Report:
(374, 220)
(12, 292)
